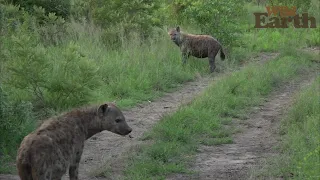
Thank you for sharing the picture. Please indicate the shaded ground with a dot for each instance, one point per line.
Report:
(106, 151)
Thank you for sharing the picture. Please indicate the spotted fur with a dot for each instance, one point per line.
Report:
(57, 144)
(200, 46)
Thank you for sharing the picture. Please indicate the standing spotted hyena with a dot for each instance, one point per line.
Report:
(200, 46)
(57, 144)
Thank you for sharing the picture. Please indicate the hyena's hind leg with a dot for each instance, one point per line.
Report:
(212, 64)
(42, 174)
(24, 171)
(57, 175)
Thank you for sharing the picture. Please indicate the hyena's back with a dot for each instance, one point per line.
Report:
(201, 46)
(46, 154)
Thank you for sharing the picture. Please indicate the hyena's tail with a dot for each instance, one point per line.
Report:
(222, 55)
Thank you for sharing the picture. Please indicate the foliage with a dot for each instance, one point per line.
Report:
(301, 142)
(49, 65)
(16, 120)
(128, 15)
(58, 7)
(302, 5)
(218, 18)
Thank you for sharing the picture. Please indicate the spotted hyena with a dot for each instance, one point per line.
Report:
(57, 144)
(200, 46)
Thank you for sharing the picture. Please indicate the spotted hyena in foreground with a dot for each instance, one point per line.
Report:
(200, 46)
(57, 144)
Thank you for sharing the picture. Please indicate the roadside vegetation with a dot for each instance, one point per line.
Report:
(299, 149)
(62, 55)
(53, 59)
(176, 138)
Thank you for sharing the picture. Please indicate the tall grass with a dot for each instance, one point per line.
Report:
(302, 139)
(174, 139)
(79, 69)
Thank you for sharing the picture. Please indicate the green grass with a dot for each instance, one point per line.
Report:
(176, 137)
(72, 66)
(299, 156)
(81, 70)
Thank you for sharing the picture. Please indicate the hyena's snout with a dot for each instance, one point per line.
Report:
(124, 129)
(173, 38)
(128, 130)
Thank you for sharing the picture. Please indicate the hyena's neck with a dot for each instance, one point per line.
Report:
(93, 127)
(88, 122)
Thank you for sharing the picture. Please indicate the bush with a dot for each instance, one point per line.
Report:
(16, 121)
(71, 78)
(59, 7)
(128, 15)
(217, 18)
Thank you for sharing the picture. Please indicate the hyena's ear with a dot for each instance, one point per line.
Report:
(178, 28)
(102, 109)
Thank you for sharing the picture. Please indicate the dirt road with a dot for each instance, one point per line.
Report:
(105, 151)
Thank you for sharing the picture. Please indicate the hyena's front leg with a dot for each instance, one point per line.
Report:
(184, 58)
(74, 167)
(212, 64)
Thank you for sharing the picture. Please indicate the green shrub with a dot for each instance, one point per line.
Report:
(59, 7)
(129, 16)
(218, 18)
(71, 78)
(16, 121)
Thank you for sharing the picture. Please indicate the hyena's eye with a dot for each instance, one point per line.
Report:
(118, 120)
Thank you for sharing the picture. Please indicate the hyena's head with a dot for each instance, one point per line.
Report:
(175, 35)
(112, 119)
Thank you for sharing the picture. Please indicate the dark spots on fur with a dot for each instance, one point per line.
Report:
(199, 46)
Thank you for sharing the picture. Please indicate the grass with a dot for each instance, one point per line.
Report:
(176, 137)
(299, 156)
(81, 70)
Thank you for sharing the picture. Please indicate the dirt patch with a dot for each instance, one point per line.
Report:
(106, 151)
(256, 141)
